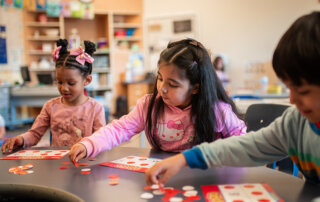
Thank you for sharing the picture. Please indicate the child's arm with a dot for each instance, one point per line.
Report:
(38, 129)
(118, 131)
(12, 143)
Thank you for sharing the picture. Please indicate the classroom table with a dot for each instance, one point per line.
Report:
(95, 188)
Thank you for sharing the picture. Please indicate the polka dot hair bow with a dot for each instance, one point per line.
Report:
(82, 56)
(55, 54)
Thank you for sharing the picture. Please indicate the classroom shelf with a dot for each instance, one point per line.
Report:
(42, 24)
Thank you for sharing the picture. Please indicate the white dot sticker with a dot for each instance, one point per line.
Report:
(146, 195)
(176, 199)
(190, 193)
(187, 188)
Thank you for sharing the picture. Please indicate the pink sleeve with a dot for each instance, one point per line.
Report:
(39, 127)
(100, 118)
(118, 131)
(230, 124)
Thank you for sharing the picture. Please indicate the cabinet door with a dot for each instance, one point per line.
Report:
(136, 91)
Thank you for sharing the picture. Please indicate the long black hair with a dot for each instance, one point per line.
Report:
(297, 56)
(192, 57)
(69, 61)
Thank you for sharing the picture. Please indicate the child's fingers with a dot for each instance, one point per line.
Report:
(152, 174)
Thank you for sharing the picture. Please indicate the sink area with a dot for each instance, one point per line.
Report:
(28, 192)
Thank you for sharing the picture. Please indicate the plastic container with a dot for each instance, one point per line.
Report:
(130, 31)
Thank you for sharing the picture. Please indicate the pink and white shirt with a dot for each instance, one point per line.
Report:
(174, 133)
(67, 123)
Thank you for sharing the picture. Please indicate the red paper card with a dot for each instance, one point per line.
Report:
(257, 192)
(133, 163)
(37, 154)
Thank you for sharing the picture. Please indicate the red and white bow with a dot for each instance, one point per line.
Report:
(55, 54)
(82, 56)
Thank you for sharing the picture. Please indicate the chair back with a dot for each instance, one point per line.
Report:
(261, 115)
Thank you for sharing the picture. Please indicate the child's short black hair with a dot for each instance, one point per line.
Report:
(297, 56)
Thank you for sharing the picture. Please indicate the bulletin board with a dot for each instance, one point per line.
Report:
(3, 45)
(11, 20)
(160, 30)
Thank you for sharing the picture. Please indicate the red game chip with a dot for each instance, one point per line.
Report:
(166, 198)
(44, 154)
(85, 172)
(21, 172)
(14, 169)
(263, 200)
(147, 188)
(143, 159)
(83, 164)
(144, 164)
(36, 151)
(48, 151)
(21, 151)
(130, 162)
(63, 167)
(130, 157)
(238, 201)
(63, 151)
(113, 176)
(76, 164)
(58, 154)
(65, 163)
(27, 166)
(92, 159)
(256, 193)
(113, 182)
(193, 198)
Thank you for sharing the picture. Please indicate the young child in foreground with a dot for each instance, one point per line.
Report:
(73, 115)
(296, 62)
(188, 106)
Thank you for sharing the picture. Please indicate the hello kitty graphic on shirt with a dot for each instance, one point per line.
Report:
(171, 131)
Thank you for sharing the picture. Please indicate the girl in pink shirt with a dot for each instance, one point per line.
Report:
(73, 115)
(188, 106)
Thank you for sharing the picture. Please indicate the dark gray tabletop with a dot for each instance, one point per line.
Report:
(95, 188)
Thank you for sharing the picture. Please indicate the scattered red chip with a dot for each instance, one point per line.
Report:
(166, 198)
(193, 198)
(85, 172)
(21, 172)
(65, 163)
(147, 188)
(83, 164)
(76, 164)
(92, 159)
(63, 167)
(113, 176)
(113, 182)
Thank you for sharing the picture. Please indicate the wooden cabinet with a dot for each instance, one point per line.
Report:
(107, 24)
(136, 91)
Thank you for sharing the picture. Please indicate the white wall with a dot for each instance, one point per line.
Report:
(246, 31)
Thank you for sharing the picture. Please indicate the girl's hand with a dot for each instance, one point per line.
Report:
(167, 168)
(77, 152)
(12, 143)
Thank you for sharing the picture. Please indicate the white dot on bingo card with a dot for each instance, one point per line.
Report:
(146, 195)
(190, 193)
(187, 188)
(176, 199)
(157, 192)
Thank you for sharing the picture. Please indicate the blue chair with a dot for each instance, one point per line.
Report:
(261, 115)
